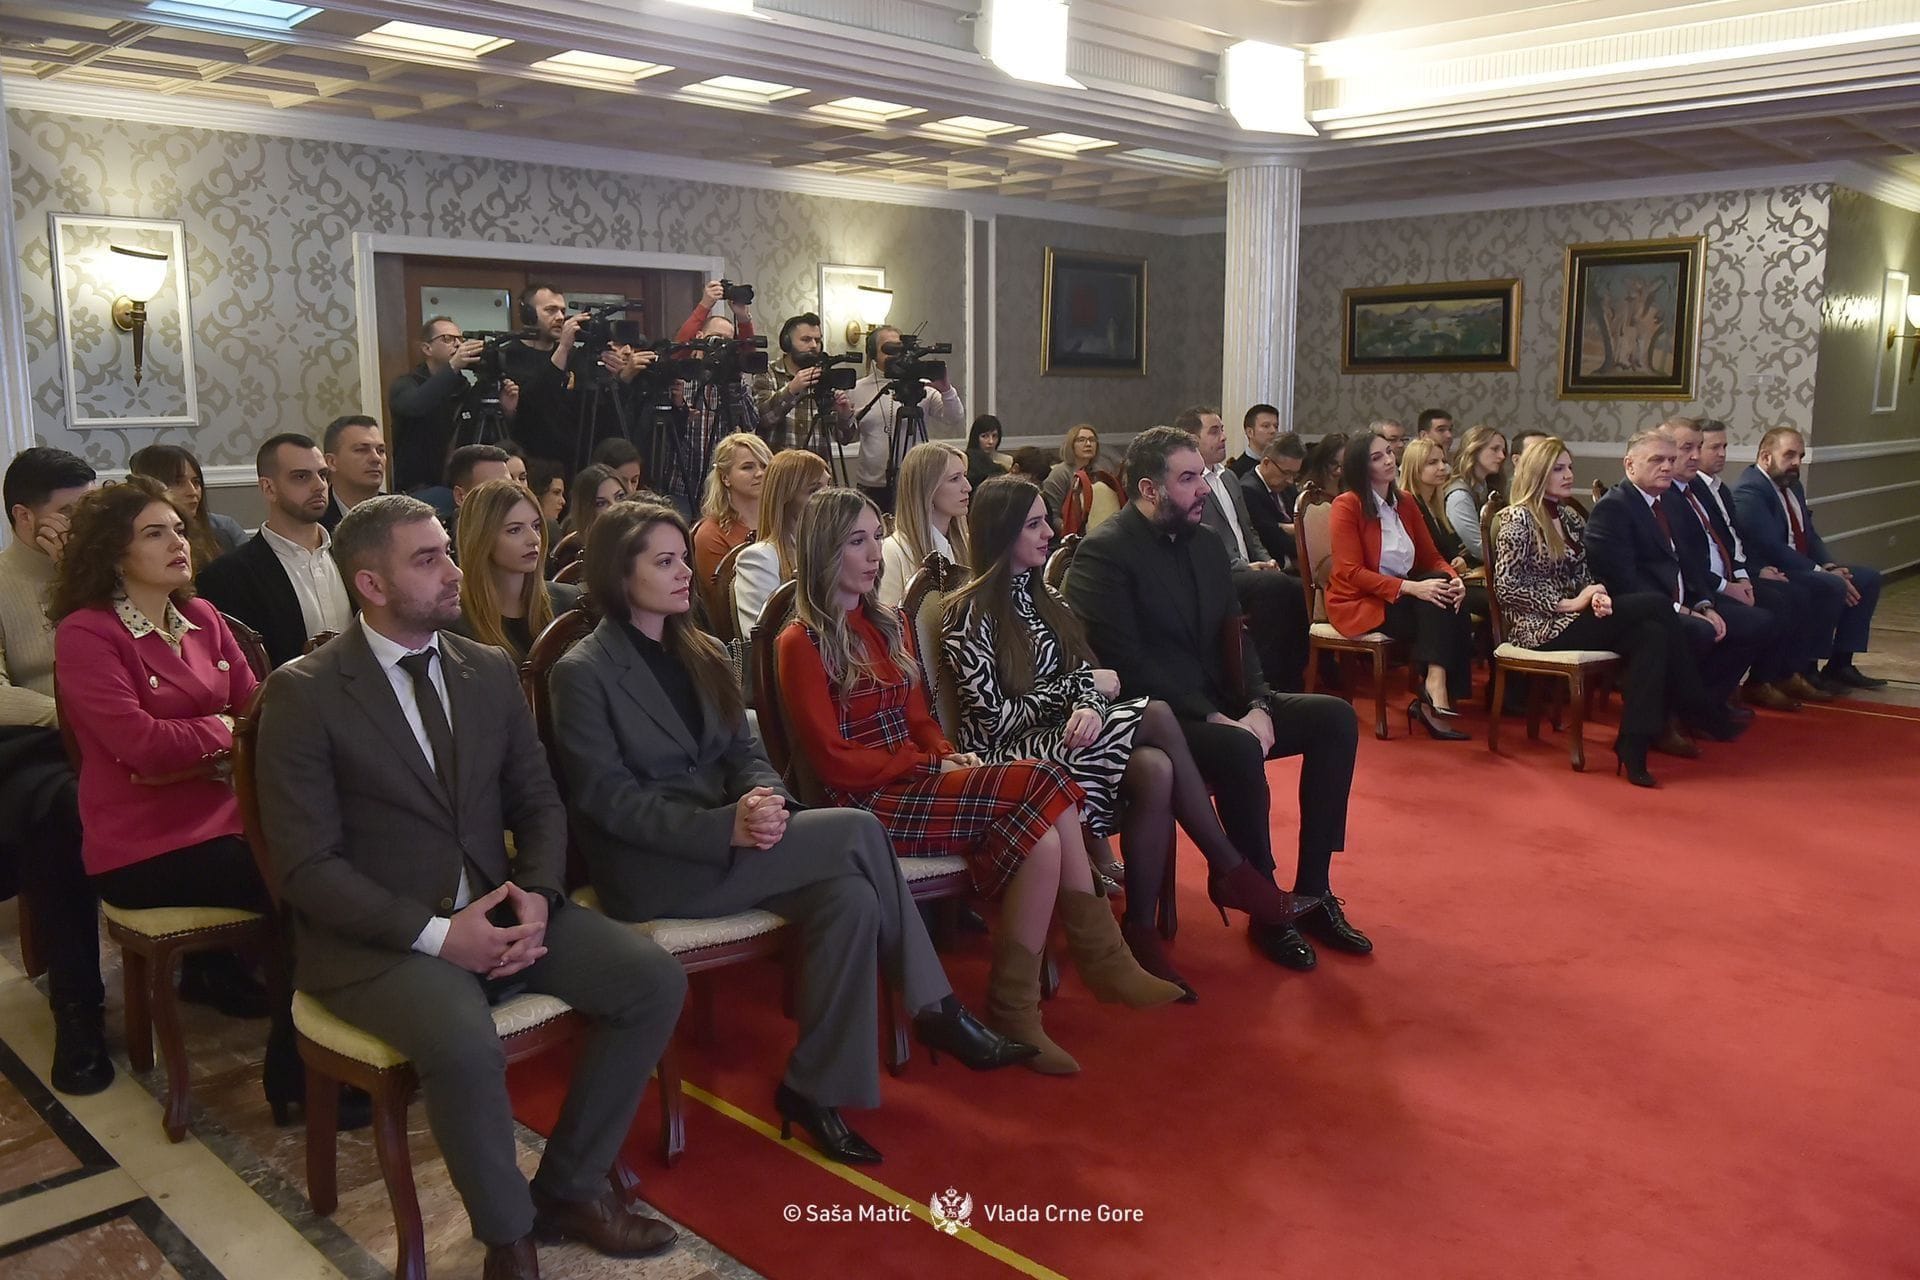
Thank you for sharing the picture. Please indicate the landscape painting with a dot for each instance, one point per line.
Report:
(1431, 328)
(1631, 330)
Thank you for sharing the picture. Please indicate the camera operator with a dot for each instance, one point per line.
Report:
(882, 445)
(788, 394)
(739, 306)
(547, 369)
(424, 404)
(707, 410)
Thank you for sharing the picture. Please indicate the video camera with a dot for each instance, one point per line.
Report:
(713, 359)
(832, 378)
(909, 369)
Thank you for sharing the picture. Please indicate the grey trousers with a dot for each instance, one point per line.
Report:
(437, 1014)
(835, 879)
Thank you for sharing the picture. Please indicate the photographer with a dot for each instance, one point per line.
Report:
(882, 442)
(739, 300)
(544, 365)
(789, 394)
(425, 403)
(708, 408)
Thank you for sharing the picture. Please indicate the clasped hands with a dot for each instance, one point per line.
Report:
(480, 946)
(1258, 722)
(1448, 593)
(759, 819)
(1845, 575)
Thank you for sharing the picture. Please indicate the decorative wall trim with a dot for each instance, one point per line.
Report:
(1870, 528)
(16, 394)
(1865, 449)
(1863, 493)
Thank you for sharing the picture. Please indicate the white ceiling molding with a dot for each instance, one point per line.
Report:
(1882, 184)
(26, 93)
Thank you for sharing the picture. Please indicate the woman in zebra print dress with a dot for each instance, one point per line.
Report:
(1028, 690)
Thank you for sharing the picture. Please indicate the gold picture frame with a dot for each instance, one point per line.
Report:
(1093, 315)
(1631, 327)
(1466, 326)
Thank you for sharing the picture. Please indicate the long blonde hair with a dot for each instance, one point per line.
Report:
(921, 472)
(1530, 475)
(825, 524)
(783, 495)
(483, 513)
(715, 504)
(1420, 452)
(1467, 461)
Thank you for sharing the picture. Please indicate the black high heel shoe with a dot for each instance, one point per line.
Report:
(823, 1124)
(1423, 711)
(1630, 758)
(963, 1036)
(1437, 709)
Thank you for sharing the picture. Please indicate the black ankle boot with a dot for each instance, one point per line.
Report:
(80, 1062)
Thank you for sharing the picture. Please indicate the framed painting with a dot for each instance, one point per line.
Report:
(1632, 324)
(1093, 315)
(1463, 327)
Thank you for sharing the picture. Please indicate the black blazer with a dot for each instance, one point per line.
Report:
(1697, 537)
(248, 583)
(1128, 588)
(1242, 463)
(1269, 511)
(1627, 552)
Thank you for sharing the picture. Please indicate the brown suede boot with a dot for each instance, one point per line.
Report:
(1101, 955)
(1013, 1005)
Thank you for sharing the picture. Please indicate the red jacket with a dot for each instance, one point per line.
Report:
(1357, 592)
(137, 708)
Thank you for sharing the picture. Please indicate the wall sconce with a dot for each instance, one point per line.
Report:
(871, 306)
(138, 275)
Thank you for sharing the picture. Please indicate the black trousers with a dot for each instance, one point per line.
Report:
(1802, 632)
(214, 873)
(1321, 730)
(55, 889)
(1441, 638)
(1659, 674)
(1276, 608)
(1723, 663)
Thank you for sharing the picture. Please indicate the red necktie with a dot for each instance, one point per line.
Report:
(1660, 518)
(1793, 522)
(1706, 522)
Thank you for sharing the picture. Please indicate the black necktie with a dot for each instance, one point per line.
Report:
(433, 716)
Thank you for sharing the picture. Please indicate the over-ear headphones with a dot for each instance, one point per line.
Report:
(873, 347)
(528, 317)
(794, 322)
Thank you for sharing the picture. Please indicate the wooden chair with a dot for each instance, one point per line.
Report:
(251, 645)
(564, 552)
(886, 524)
(153, 939)
(723, 618)
(1580, 669)
(1061, 561)
(337, 1053)
(317, 639)
(1599, 490)
(570, 573)
(1310, 531)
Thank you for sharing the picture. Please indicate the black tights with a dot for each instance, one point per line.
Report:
(1161, 785)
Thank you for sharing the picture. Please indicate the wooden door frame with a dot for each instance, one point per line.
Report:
(367, 243)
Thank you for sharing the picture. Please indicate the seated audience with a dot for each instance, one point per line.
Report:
(618, 455)
(39, 807)
(848, 677)
(517, 462)
(1028, 690)
(283, 583)
(1549, 599)
(984, 458)
(1275, 603)
(1261, 426)
(505, 598)
(930, 514)
(1031, 462)
(151, 681)
(792, 478)
(679, 814)
(1388, 577)
(1069, 485)
(467, 466)
(1521, 438)
(1778, 526)
(597, 489)
(1424, 474)
(1476, 473)
(393, 763)
(547, 482)
(356, 454)
(212, 534)
(1272, 493)
(730, 510)
(1395, 434)
(1437, 425)
(1631, 546)
(1325, 458)
(1153, 589)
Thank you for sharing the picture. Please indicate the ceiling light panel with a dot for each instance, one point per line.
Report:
(1264, 86)
(1027, 39)
(1068, 143)
(414, 37)
(742, 89)
(718, 6)
(600, 66)
(972, 127)
(253, 13)
(871, 110)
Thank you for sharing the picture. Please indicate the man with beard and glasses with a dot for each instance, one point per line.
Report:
(283, 583)
(392, 763)
(1154, 587)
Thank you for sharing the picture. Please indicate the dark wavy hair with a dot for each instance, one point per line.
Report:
(170, 464)
(89, 572)
(995, 519)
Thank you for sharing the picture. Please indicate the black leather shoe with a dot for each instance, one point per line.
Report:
(1716, 724)
(955, 1031)
(1851, 677)
(1283, 946)
(217, 979)
(1328, 923)
(80, 1062)
(823, 1124)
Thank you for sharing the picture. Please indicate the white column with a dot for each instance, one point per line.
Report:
(1262, 290)
(16, 397)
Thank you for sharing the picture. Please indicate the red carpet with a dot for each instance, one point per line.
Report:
(1607, 1032)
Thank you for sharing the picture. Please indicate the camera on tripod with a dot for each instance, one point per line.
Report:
(600, 330)
(832, 378)
(909, 368)
(736, 295)
(713, 359)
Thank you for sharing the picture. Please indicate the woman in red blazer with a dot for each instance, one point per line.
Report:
(1388, 577)
(150, 681)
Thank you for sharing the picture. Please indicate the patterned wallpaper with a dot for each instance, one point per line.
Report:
(1760, 329)
(269, 223)
(1184, 320)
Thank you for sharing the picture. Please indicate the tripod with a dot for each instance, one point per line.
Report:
(604, 391)
(480, 419)
(909, 426)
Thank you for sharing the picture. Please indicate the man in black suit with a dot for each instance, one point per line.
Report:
(1632, 547)
(284, 583)
(1153, 586)
(1272, 491)
(1261, 425)
(356, 452)
(1275, 603)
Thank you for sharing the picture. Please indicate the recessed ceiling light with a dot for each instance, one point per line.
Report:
(414, 37)
(973, 126)
(600, 66)
(870, 109)
(1027, 39)
(718, 6)
(1175, 160)
(1264, 86)
(742, 89)
(259, 13)
(1073, 143)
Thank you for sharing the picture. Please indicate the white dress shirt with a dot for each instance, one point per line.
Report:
(1726, 512)
(897, 565)
(940, 408)
(1679, 580)
(388, 654)
(1715, 561)
(1396, 544)
(1218, 478)
(316, 581)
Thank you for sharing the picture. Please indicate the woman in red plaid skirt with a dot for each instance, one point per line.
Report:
(860, 714)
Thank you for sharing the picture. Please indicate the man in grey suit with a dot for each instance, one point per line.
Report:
(410, 918)
(1273, 601)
